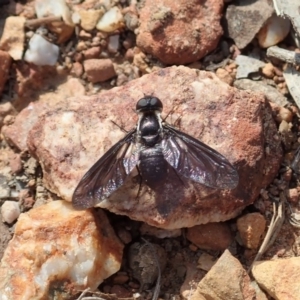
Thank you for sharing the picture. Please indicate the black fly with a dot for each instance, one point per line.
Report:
(154, 148)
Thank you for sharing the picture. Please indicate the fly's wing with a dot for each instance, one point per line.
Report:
(197, 161)
(107, 174)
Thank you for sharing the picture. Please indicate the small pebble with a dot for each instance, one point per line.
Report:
(284, 127)
(76, 17)
(99, 70)
(281, 252)
(268, 70)
(274, 31)
(120, 279)
(124, 236)
(10, 211)
(84, 35)
(284, 114)
(133, 285)
(93, 52)
(292, 195)
(206, 261)
(120, 291)
(287, 175)
(113, 43)
(9, 120)
(193, 247)
(129, 55)
(111, 20)
(78, 57)
(225, 76)
(77, 69)
(31, 183)
(279, 79)
(41, 52)
(81, 46)
(4, 191)
(28, 203)
(251, 227)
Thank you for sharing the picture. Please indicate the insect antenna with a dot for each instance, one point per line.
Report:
(176, 123)
(120, 127)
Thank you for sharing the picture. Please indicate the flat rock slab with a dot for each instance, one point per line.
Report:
(279, 277)
(71, 136)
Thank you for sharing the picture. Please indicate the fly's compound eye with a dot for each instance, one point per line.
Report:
(149, 103)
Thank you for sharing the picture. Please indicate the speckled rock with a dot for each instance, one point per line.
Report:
(226, 280)
(176, 32)
(56, 247)
(279, 278)
(236, 123)
(251, 228)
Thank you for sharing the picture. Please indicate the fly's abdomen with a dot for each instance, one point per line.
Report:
(153, 167)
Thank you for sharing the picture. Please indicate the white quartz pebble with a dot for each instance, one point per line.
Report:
(76, 17)
(111, 20)
(10, 211)
(41, 52)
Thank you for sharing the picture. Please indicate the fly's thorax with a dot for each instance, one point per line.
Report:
(150, 128)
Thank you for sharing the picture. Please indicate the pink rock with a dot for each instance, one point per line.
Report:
(93, 52)
(99, 70)
(179, 32)
(70, 137)
(5, 61)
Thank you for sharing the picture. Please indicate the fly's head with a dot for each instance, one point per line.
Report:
(149, 104)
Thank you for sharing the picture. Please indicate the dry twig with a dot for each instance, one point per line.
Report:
(42, 21)
(274, 227)
(285, 55)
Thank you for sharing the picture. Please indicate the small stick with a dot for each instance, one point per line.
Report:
(285, 55)
(41, 21)
(274, 227)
